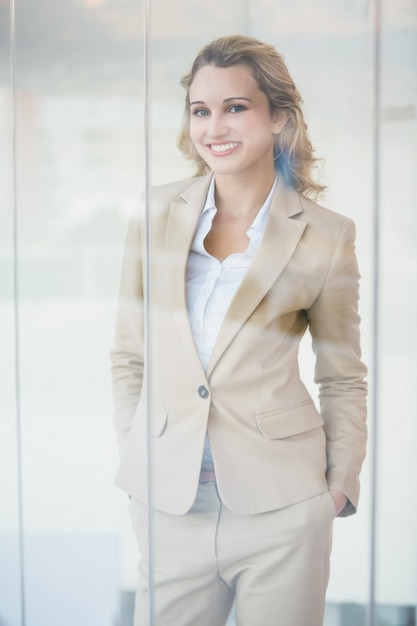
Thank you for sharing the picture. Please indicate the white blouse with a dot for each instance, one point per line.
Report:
(211, 284)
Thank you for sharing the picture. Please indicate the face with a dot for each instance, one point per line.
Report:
(231, 125)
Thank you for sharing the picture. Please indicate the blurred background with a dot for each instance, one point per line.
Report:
(71, 169)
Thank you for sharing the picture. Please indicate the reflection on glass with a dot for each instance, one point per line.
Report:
(80, 169)
(79, 115)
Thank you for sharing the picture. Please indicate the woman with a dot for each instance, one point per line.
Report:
(247, 474)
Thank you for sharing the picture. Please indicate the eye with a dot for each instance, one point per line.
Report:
(200, 112)
(237, 108)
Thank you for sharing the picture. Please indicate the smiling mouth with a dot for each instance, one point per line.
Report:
(224, 147)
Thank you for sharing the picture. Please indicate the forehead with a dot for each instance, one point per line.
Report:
(234, 81)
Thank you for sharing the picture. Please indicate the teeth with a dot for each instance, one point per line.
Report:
(225, 146)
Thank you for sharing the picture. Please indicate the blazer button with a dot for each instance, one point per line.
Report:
(203, 392)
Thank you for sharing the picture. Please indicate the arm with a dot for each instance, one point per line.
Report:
(127, 355)
(340, 373)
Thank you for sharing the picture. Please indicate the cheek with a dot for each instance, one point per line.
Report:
(254, 128)
(194, 131)
(196, 139)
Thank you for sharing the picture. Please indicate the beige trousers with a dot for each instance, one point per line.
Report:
(274, 566)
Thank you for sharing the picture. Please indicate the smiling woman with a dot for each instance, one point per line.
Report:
(258, 67)
(75, 170)
(259, 264)
(231, 117)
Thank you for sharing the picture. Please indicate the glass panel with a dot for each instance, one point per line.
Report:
(80, 169)
(79, 163)
(10, 540)
(329, 54)
(396, 557)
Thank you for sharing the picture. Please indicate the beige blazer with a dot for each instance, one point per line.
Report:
(271, 446)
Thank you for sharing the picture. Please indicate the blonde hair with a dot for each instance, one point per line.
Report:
(293, 153)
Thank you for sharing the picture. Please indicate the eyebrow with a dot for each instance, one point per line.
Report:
(225, 100)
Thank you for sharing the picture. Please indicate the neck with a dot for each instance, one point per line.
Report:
(236, 195)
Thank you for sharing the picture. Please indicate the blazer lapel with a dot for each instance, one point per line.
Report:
(182, 222)
(181, 225)
(280, 239)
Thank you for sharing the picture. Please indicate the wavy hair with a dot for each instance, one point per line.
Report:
(293, 152)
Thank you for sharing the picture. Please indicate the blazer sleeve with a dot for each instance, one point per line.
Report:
(339, 372)
(127, 356)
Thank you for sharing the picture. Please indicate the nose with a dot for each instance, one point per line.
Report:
(217, 126)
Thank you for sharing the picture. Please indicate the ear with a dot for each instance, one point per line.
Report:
(279, 118)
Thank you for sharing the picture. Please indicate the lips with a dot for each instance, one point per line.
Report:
(221, 148)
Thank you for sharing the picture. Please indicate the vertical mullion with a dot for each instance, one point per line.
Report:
(375, 355)
(19, 455)
(148, 310)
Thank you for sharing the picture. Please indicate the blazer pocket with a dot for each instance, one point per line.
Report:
(294, 420)
(160, 418)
